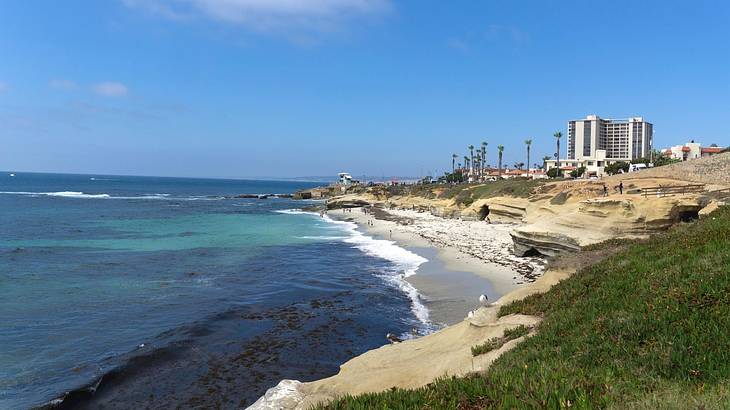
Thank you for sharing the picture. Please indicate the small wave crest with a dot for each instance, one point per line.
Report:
(295, 212)
(84, 195)
(406, 262)
(66, 194)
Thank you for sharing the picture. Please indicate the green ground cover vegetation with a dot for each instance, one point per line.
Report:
(648, 327)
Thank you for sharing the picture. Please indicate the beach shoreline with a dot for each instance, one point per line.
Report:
(449, 285)
(452, 280)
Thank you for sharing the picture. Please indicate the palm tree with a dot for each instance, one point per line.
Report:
(558, 135)
(453, 162)
(528, 142)
(500, 149)
(545, 159)
(471, 150)
(484, 155)
(466, 162)
(478, 163)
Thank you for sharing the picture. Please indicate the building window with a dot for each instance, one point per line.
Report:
(587, 138)
(571, 140)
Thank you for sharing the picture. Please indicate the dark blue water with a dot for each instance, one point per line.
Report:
(166, 292)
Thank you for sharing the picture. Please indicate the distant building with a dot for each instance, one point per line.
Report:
(690, 150)
(537, 174)
(345, 178)
(595, 142)
(567, 165)
(622, 140)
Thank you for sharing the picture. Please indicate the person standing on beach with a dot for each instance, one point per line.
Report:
(605, 190)
(621, 188)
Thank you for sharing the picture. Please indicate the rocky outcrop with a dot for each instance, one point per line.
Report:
(262, 196)
(532, 242)
(314, 193)
(559, 217)
(550, 231)
(416, 362)
(498, 209)
(446, 212)
(346, 202)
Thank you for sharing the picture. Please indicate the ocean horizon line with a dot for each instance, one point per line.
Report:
(313, 178)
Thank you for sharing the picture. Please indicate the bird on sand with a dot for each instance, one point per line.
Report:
(393, 339)
(483, 302)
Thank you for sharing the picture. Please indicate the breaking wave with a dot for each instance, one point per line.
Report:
(405, 262)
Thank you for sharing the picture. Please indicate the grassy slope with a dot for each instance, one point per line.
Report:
(646, 328)
(466, 194)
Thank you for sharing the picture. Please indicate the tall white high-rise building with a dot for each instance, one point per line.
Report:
(621, 140)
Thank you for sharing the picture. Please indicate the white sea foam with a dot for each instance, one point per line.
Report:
(71, 194)
(296, 212)
(286, 394)
(66, 194)
(83, 195)
(406, 262)
(323, 238)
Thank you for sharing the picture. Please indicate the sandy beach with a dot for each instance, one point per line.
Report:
(465, 259)
(449, 284)
(448, 287)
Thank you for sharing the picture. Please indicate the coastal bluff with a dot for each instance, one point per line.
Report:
(559, 220)
(551, 218)
(415, 362)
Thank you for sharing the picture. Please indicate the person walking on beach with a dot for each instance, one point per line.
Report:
(621, 188)
(605, 190)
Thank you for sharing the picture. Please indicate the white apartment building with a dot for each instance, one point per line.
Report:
(595, 142)
(623, 140)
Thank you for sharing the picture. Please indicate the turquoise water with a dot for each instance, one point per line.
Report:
(144, 290)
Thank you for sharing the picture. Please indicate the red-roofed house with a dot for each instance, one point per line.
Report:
(691, 150)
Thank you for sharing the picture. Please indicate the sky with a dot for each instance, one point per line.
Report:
(292, 88)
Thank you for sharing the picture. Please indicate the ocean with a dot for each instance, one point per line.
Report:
(144, 292)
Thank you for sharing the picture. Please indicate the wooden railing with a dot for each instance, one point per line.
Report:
(661, 191)
(721, 193)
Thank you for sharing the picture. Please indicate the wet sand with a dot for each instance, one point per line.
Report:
(451, 281)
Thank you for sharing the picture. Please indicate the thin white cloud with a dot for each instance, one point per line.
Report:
(111, 89)
(61, 84)
(498, 32)
(458, 45)
(511, 36)
(267, 16)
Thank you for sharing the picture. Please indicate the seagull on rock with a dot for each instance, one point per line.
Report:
(483, 300)
(393, 339)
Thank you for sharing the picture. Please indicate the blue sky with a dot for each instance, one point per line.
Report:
(242, 88)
